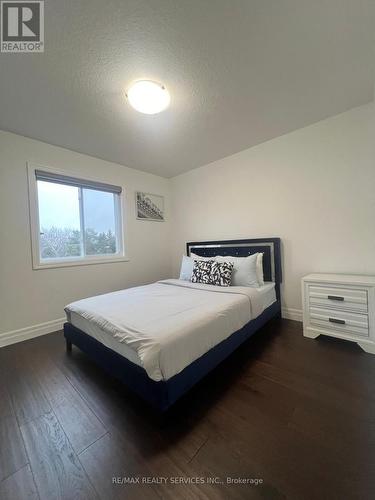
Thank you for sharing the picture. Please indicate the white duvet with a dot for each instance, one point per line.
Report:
(171, 323)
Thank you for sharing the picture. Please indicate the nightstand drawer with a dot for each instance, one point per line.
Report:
(338, 298)
(339, 321)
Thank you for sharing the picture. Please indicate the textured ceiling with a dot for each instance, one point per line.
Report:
(240, 72)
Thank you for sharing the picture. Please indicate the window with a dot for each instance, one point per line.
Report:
(74, 221)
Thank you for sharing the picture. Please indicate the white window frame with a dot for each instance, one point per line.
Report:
(37, 262)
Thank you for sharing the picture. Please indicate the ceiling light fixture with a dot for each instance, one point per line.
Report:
(148, 97)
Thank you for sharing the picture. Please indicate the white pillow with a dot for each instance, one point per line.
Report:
(244, 269)
(198, 257)
(260, 275)
(186, 271)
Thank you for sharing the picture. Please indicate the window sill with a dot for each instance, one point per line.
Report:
(82, 262)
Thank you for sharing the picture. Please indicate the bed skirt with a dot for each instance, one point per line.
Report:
(163, 394)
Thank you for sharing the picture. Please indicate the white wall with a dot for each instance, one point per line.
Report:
(30, 297)
(315, 188)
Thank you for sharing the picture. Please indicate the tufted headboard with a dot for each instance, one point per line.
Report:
(270, 247)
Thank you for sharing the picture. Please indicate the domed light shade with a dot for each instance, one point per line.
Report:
(148, 97)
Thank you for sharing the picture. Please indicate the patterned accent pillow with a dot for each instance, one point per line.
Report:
(211, 272)
(221, 273)
(202, 271)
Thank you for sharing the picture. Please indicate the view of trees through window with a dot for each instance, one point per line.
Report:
(64, 210)
(56, 242)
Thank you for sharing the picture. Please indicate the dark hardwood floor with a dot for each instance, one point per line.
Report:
(299, 414)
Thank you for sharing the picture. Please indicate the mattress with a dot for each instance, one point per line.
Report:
(165, 326)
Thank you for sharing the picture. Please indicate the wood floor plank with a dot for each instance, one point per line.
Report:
(216, 459)
(343, 434)
(57, 471)
(97, 389)
(322, 393)
(152, 451)
(19, 486)
(28, 399)
(78, 421)
(12, 451)
(6, 409)
(107, 465)
(279, 453)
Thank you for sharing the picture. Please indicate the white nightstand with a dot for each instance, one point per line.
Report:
(340, 305)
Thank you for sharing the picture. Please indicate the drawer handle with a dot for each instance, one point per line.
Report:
(335, 320)
(335, 297)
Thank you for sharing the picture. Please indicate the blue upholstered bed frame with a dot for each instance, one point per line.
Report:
(163, 394)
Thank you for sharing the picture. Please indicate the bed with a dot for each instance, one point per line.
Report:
(161, 339)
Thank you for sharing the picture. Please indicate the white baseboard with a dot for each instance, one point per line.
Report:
(30, 332)
(290, 313)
